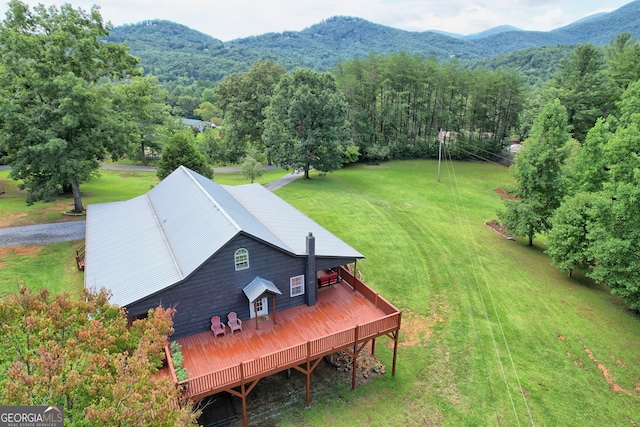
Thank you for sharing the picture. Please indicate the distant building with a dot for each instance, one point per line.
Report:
(198, 125)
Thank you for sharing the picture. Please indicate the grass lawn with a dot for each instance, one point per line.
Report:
(491, 333)
(52, 266)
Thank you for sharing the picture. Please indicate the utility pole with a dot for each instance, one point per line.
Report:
(440, 136)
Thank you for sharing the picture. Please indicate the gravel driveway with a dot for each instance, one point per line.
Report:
(42, 233)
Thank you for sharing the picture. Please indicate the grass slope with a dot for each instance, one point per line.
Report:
(486, 320)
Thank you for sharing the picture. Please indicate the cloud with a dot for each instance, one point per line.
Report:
(552, 18)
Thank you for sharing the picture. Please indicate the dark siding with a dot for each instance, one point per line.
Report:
(216, 288)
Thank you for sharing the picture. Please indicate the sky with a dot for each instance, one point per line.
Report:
(230, 19)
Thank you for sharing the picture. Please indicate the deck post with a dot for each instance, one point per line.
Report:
(255, 312)
(355, 274)
(275, 316)
(308, 373)
(244, 396)
(395, 344)
(373, 347)
(355, 360)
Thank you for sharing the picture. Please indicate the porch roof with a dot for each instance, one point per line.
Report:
(258, 287)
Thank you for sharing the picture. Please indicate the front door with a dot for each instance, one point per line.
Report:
(262, 306)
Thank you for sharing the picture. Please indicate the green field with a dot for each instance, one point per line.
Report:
(491, 334)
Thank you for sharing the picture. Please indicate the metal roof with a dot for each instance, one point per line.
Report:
(138, 247)
(258, 287)
(288, 223)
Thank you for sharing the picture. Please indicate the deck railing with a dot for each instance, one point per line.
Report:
(367, 292)
(277, 361)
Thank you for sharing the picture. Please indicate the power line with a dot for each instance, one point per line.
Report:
(495, 312)
(473, 314)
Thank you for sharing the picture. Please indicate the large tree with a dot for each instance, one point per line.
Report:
(244, 98)
(306, 125)
(585, 88)
(142, 101)
(81, 354)
(538, 174)
(623, 59)
(57, 118)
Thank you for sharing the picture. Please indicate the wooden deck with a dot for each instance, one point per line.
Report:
(341, 318)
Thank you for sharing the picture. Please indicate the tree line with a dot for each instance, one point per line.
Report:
(578, 174)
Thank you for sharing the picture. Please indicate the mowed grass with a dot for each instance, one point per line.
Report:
(492, 334)
(51, 266)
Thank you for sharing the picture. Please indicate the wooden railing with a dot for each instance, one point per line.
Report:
(268, 364)
(80, 256)
(367, 292)
(277, 361)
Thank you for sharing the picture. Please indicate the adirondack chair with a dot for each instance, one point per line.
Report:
(234, 323)
(217, 327)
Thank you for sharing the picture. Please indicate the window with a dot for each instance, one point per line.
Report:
(242, 259)
(297, 285)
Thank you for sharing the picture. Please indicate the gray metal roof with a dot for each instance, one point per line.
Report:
(141, 246)
(258, 287)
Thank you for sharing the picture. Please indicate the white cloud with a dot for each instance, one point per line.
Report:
(553, 18)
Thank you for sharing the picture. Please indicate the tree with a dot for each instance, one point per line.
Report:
(142, 100)
(585, 88)
(58, 117)
(598, 229)
(570, 239)
(244, 97)
(251, 168)
(623, 59)
(538, 173)
(181, 150)
(81, 354)
(306, 125)
(209, 112)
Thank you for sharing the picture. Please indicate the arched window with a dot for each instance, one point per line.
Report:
(242, 259)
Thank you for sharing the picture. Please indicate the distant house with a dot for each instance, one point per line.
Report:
(208, 250)
(198, 125)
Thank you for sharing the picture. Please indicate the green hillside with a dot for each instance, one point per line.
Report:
(172, 51)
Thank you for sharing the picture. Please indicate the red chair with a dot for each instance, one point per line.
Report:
(217, 327)
(234, 323)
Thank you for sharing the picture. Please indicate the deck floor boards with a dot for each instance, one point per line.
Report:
(338, 308)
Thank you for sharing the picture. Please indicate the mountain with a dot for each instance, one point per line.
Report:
(172, 51)
(491, 32)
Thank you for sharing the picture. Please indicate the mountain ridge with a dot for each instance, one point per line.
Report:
(171, 51)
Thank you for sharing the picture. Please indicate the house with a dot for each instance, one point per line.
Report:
(208, 250)
(198, 125)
